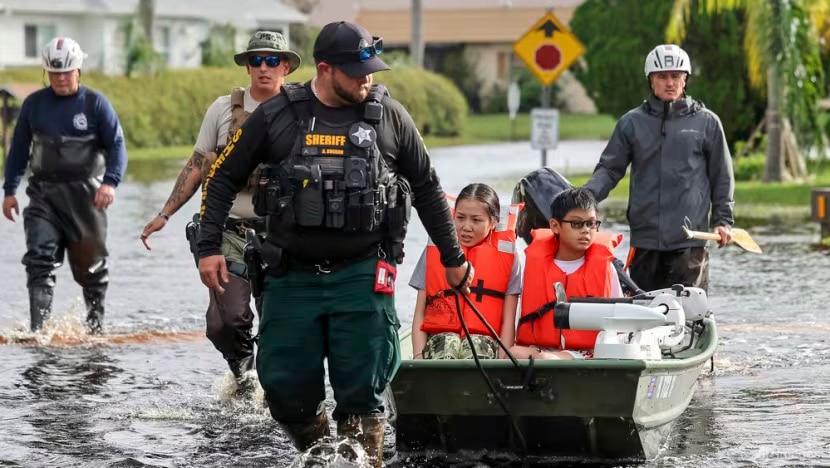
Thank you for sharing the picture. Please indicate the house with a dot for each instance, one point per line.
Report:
(486, 29)
(180, 27)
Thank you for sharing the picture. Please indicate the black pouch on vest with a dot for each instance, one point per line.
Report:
(367, 211)
(309, 205)
(352, 212)
(266, 192)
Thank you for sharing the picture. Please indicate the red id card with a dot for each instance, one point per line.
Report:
(385, 278)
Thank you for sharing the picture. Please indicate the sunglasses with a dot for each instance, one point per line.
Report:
(363, 54)
(270, 60)
(578, 223)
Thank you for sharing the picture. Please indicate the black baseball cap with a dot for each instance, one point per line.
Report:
(350, 48)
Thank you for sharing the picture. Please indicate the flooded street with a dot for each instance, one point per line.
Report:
(153, 391)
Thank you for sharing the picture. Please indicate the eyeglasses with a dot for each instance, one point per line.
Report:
(270, 60)
(578, 223)
(363, 53)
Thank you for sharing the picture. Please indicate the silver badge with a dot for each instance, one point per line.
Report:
(362, 135)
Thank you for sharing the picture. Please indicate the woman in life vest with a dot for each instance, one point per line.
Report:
(437, 331)
(574, 253)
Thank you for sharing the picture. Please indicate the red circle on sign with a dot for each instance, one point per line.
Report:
(548, 57)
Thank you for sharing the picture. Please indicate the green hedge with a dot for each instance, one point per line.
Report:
(167, 109)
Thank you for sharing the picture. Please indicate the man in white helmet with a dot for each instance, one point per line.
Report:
(70, 137)
(229, 317)
(681, 174)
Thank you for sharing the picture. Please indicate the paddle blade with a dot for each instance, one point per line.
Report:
(739, 237)
(745, 241)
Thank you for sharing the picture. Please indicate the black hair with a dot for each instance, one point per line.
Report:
(572, 199)
(484, 194)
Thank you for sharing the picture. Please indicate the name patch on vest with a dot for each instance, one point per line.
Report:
(324, 144)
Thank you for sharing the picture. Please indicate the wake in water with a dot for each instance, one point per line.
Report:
(333, 452)
(69, 329)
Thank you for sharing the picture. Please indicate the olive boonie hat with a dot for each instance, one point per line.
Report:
(269, 41)
(350, 48)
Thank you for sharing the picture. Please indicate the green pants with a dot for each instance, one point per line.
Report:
(307, 317)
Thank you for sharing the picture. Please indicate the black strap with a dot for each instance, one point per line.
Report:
(480, 291)
(538, 313)
(466, 275)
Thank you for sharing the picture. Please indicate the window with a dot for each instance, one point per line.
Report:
(503, 65)
(36, 36)
(163, 41)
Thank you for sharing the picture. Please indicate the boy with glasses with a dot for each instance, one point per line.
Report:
(574, 253)
(229, 317)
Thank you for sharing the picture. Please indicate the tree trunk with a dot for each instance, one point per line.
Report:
(146, 13)
(416, 47)
(794, 158)
(774, 165)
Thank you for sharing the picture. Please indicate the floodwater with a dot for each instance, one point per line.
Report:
(153, 392)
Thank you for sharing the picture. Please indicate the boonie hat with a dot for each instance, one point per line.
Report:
(269, 41)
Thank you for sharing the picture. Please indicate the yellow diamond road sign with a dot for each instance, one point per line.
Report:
(548, 48)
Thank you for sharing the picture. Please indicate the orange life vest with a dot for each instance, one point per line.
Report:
(493, 261)
(541, 272)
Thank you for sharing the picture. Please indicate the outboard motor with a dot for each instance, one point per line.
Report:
(634, 328)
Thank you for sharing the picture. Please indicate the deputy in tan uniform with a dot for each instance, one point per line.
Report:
(268, 61)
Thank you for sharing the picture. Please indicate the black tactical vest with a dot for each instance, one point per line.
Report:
(331, 197)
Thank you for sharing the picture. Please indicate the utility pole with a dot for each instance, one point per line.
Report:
(416, 48)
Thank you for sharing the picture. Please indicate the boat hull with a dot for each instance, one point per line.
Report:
(600, 408)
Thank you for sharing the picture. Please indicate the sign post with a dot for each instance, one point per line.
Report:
(513, 100)
(548, 49)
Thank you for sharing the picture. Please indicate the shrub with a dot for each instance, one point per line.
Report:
(749, 167)
(167, 109)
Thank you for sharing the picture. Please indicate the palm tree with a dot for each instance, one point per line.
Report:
(782, 44)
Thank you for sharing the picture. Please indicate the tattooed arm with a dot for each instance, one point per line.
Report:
(187, 183)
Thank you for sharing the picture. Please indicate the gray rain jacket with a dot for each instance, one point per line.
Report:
(680, 167)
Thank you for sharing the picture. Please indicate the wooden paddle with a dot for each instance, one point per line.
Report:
(739, 236)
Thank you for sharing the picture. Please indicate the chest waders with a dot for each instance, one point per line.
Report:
(61, 219)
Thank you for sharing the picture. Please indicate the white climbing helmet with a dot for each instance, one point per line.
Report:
(62, 54)
(668, 57)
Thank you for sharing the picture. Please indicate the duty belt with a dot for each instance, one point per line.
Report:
(239, 226)
(322, 267)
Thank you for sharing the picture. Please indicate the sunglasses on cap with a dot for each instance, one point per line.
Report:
(578, 223)
(270, 60)
(362, 54)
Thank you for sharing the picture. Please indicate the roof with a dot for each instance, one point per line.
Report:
(336, 10)
(457, 26)
(19, 90)
(243, 13)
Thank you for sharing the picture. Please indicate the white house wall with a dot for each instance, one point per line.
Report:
(102, 38)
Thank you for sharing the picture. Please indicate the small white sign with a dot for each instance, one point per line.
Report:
(514, 95)
(544, 128)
